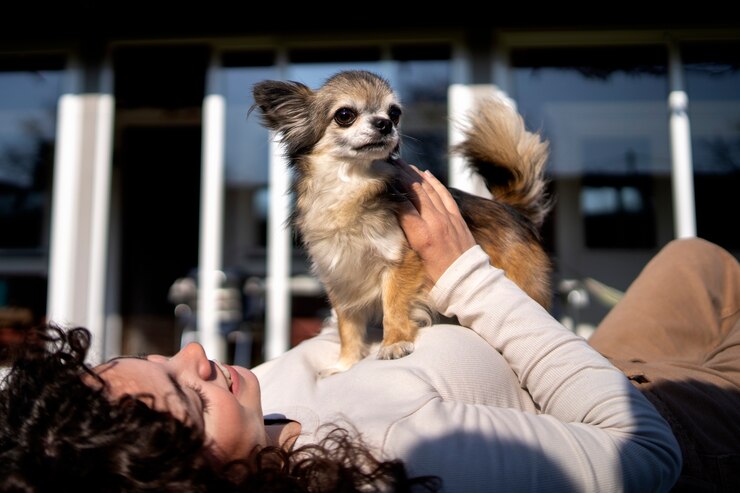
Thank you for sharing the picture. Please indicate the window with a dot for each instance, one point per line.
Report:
(617, 211)
(712, 75)
(29, 90)
(30, 87)
(604, 112)
(422, 77)
(246, 161)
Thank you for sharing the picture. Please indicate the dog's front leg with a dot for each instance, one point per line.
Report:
(401, 287)
(352, 328)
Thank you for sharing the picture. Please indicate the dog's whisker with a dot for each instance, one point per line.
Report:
(409, 137)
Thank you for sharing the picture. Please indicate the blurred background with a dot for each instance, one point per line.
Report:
(140, 199)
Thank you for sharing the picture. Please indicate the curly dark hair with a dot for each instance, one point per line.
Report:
(60, 432)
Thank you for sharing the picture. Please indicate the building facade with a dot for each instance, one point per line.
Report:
(140, 198)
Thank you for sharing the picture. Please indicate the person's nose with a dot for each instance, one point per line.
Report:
(193, 358)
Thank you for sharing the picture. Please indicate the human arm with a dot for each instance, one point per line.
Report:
(595, 431)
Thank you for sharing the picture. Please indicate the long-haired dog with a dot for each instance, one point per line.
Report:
(341, 141)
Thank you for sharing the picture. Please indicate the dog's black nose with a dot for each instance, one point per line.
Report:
(384, 125)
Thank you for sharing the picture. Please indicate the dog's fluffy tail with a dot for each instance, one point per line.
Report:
(510, 159)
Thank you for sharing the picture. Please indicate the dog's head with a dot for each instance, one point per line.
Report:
(353, 117)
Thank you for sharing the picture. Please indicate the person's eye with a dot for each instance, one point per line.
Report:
(205, 403)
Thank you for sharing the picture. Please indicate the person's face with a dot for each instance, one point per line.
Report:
(222, 400)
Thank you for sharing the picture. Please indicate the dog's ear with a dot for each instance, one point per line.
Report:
(287, 107)
(282, 104)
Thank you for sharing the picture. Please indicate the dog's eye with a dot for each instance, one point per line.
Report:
(345, 117)
(394, 114)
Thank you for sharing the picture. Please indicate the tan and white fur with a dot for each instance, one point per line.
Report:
(342, 141)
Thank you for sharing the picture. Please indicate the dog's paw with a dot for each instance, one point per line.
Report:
(327, 372)
(396, 350)
(339, 367)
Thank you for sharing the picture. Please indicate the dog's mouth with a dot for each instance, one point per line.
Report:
(373, 146)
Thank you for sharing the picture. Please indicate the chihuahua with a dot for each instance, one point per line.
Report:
(342, 141)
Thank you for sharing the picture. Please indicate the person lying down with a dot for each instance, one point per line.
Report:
(508, 400)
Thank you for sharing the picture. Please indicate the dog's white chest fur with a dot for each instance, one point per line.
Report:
(351, 239)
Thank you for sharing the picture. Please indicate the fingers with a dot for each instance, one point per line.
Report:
(410, 179)
(441, 192)
(426, 190)
(434, 193)
(431, 195)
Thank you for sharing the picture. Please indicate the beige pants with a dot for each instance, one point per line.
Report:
(676, 335)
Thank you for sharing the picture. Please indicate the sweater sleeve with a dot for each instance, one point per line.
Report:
(595, 431)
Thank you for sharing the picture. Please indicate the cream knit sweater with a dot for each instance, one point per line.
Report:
(515, 402)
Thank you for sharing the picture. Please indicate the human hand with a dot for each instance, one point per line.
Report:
(431, 221)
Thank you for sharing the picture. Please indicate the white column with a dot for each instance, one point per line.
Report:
(80, 208)
(461, 100)
(683, 175)
(210, 274)
(103, 346)
(64, 219)
(279, 248)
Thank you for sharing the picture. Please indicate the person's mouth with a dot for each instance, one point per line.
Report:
(235, 380)
(225, 370)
